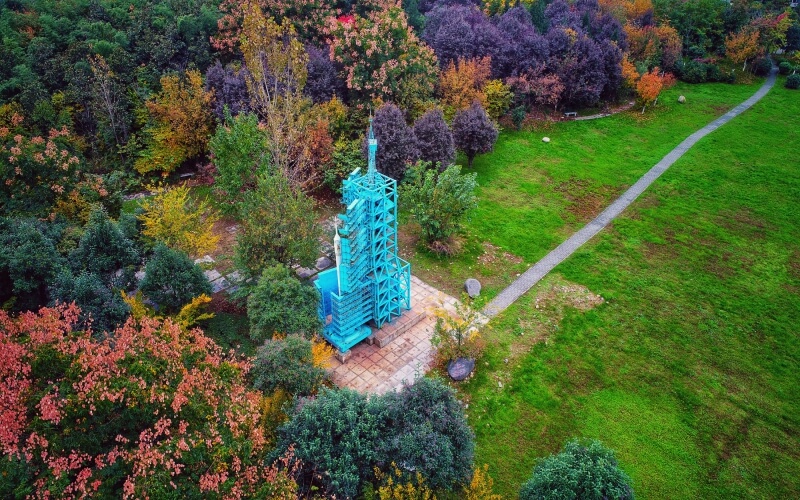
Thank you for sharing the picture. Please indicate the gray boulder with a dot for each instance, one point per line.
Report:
(472, 287)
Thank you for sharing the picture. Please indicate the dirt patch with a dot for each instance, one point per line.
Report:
(585, 200)
(720, 110)
(226, 229)
(794, 264)
(493, 255)
(551, 302)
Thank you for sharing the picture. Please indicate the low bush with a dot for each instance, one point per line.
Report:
(762, 66)
(793, 82)
(785, 67)
(587, 471)
(172, 280)
(280, 303)
(287, 364)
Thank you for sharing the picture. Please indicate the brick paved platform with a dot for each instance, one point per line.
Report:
(375, 369)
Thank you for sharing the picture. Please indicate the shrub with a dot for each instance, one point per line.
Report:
(793, 81)
(762, 66)
(105, 251)
(172, 280)
(287, 364)
(457, 335)
(785, 67)
(580, 471)
(102, 309)
(279, 303)
(430, 434)
(336, 439)
(278, 226)
(434, 139)
(175, 219)
(473, 132)
(439, 201)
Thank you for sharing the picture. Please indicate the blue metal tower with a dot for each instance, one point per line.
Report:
(370, 282)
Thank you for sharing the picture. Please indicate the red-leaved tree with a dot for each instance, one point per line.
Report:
(150, 411)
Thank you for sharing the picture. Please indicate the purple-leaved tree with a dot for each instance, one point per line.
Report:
(397, 146)
(434, 139)
(473, 132)
(230, 89)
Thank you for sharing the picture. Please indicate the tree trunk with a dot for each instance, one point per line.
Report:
(469, 160)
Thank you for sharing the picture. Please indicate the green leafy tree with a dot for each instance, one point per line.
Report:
(172, 280)
(278, 226)
(279, 303)
(239, 151)
(287, 364)
(102, 309)
(29, 262)
(580, 471)
(438, 201)
(105, 251)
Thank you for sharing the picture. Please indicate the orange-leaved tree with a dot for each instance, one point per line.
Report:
(742, 46)
(649, 87)
(181, 123)
(462, 83)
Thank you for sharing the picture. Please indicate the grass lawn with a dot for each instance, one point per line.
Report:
(673, 335)
(534, 195)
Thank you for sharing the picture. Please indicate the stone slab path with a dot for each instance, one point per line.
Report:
(551, 260)
(376, 370)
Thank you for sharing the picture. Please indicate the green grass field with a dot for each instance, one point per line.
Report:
(689, 366)
(533, 195)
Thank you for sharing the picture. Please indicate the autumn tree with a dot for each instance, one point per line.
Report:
(278, 226)
(180, 124)
(175, 218)
(649, 87)
(742, 46)
(383, 59)
(473, 132)
(109, 103)
(462, 82)
(276, 61)
(434, 139)
(152, 410)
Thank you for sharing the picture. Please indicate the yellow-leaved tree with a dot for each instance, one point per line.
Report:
(462, 83)
(181, 123)
(182, 223)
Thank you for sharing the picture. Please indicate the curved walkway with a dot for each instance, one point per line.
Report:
(551, 260)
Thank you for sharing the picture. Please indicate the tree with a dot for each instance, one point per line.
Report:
(108, 103)
(434, 139)
(439, 201)
(323, 83)
(278, 225)
(463, 32)
(580, 471)
(180, 123)
(473, 132)
(172, 280)
(173, 217)
(28, 264)
(383, 59)
(277, 64)
(279, 303)
(103, 250)
(498, 98)
(239, 151)
(287, 364)
(742, 46)
(462, 83)
(152, 410)
(397, 146)
(649, 86)
(430, 434)
(229, 87)
(102, 309)
(35, 171)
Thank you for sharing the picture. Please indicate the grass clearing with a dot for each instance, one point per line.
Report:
(689, 368)
(533, 195)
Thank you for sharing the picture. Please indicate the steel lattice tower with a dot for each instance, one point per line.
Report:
(371, 283)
